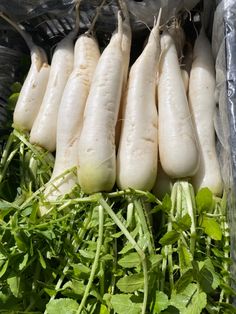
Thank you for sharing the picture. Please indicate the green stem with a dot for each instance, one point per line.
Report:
(187, 189)
(167, 258)
(7, 162)
(96, 260)
(220, 205)
(132, 192)
(135, 245)
(33, 148)
(7, 149)
(146, 229)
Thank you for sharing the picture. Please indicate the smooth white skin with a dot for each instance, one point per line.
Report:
(43, 132)
(178, 145)
(202, 102)
(70, 116)
(32, 92)
(96, 149)
(137, 153)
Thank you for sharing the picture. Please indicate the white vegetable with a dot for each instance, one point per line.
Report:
(70, 117)
(34, 86)
(178, 146)
(97, 153)
(137, 153)
(43, 132)
(203, 105)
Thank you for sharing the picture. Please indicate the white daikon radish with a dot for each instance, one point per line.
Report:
(97, 153)
(44, 129)
(178, 145)
(34, 86)
(202, 102)
(70, 118)
(137, 153)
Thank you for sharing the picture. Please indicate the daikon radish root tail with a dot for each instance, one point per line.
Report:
(96, 149)
(126, 47)
(177, 33)
(34, 86)
(137, 153)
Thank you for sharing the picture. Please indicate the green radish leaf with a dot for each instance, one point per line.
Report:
(15, 286)
(182, 223)
(126, 248)
(208, 278)
(190, 300)
(76, 286)
(161, 302)
(185, 258)
(104, 309)
(211, 228)
(24, 262)
(122, 304)
(62, 306)
(184, 281)
(81, 271)
(204, 200)
(155, 260)
(49, 234)
(130, 283)
(130, 260)
(217, 252)
(197, 303)
(50, 292)
(170, 238)
(165, 206)
(41, 260)
(21, 241)
(87, 254)
(4, 268)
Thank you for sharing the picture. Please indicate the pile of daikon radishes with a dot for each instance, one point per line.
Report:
(138, 127)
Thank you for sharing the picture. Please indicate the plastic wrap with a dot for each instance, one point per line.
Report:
(48, 20)
(230, 65)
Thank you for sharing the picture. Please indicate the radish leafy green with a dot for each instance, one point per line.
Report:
(118, 252)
